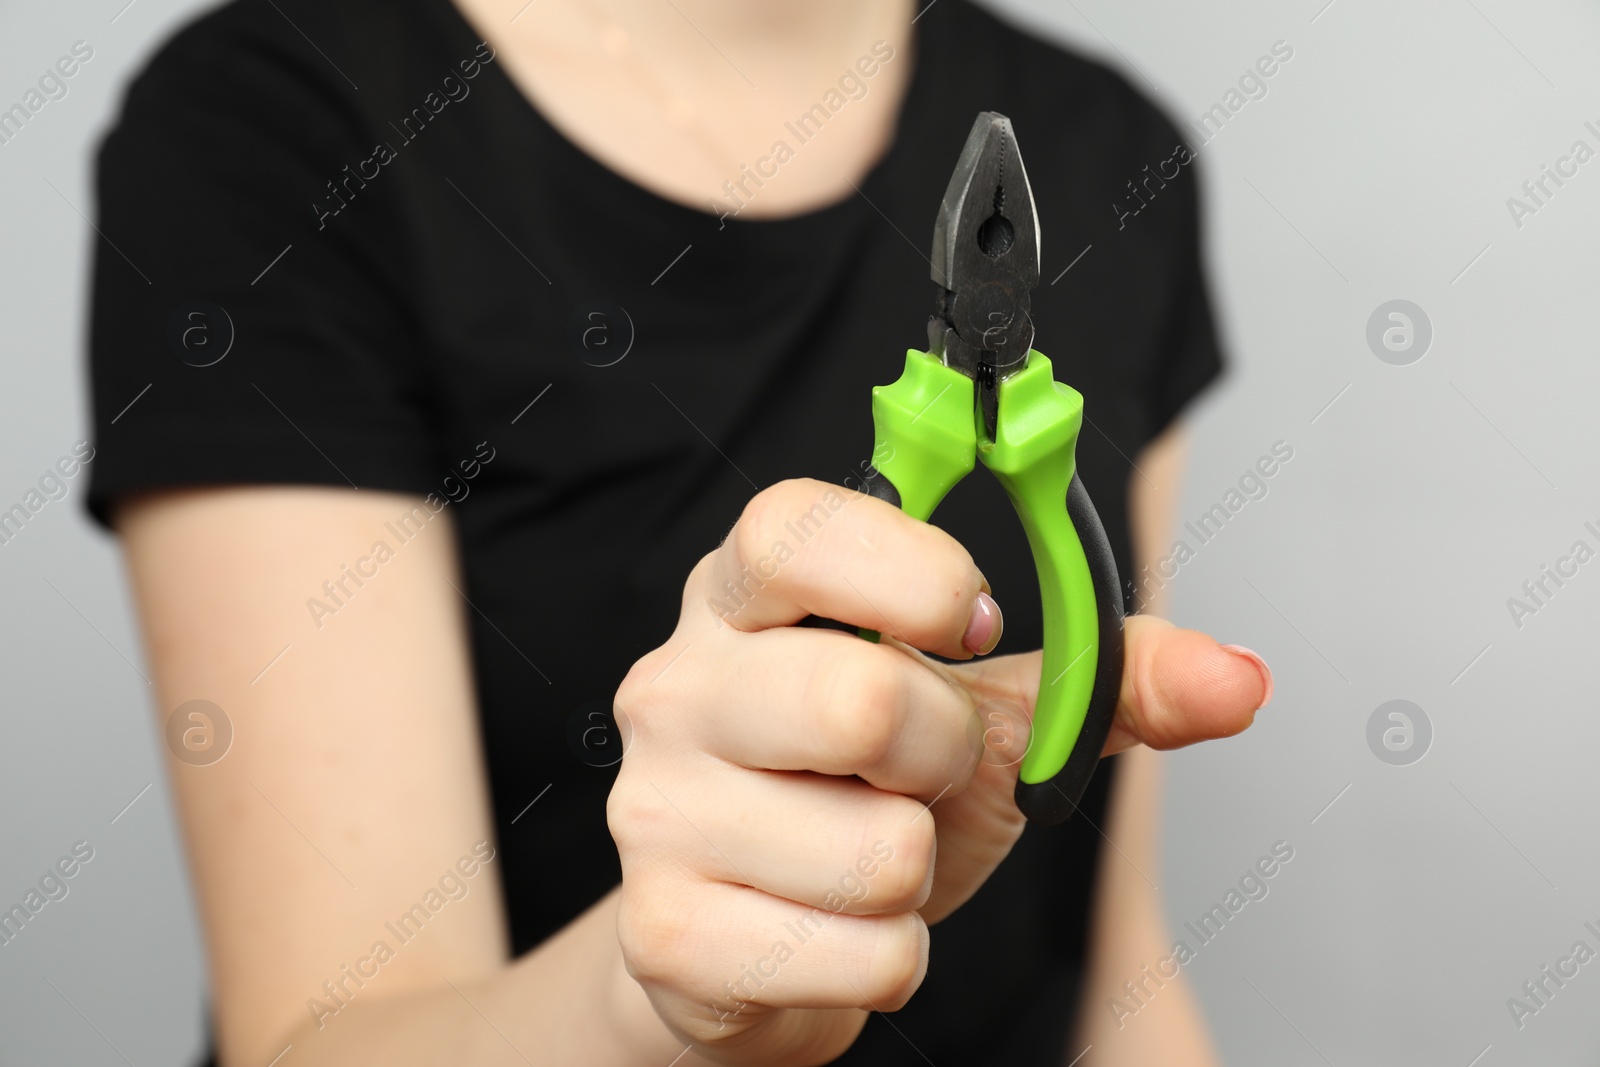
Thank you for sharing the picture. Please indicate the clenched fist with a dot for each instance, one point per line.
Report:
(787, 789)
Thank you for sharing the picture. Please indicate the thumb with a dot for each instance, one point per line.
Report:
(1179, 687)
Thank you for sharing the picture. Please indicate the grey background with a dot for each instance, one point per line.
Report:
(1377, 568)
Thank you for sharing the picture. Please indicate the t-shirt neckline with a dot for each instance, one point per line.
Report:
(596, 173)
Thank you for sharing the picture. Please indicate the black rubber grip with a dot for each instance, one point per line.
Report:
(879, 486)
(1053, 801)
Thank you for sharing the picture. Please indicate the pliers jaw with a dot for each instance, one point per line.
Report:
(985, 262)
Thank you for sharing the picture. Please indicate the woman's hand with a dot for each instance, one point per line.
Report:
(786, 789)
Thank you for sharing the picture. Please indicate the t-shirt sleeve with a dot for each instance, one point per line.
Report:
(1189, 357)
(242, 330)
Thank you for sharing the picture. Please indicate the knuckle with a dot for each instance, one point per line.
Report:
(636, 819)
(631, 693)
(903, 848)
(858, 707)
(655, 934)
(764, 538)
(697, 588)
(751, 565)
(1151, 703)
(762, 513)
(649, 690)
(898, 960)
(954, 564)
(954, 579)
(637, 681)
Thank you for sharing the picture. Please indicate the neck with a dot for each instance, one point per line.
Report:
(816, 21)
(758, 32)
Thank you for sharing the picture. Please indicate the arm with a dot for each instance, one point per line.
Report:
(354, 781)
(1130, 930)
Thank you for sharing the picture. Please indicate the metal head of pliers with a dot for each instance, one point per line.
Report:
(985, 262)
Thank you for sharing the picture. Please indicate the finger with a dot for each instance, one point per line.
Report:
(793, 699)
(831, 843)
(731, 946)
(1180, 687)
(805, 547)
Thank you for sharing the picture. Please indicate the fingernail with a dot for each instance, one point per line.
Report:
(1261, 666)
(984, 627)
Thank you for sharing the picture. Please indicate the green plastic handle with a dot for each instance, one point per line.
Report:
(925, 440)
(926, 435)
(1034, 457)
(929, 429)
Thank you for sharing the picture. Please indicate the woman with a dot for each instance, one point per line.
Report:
(454, 337)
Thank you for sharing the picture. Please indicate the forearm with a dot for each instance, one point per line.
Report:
(354, 789)
(570, 1001)
(1137, 1008)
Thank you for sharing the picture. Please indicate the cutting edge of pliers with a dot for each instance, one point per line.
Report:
(982, 392)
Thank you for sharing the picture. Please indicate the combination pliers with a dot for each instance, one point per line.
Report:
(981, 392)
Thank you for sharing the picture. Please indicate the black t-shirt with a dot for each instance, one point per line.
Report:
(421, 285)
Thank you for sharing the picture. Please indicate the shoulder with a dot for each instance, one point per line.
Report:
(1058, 74)
(259, 107)
(278, 67)
(244, 45)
